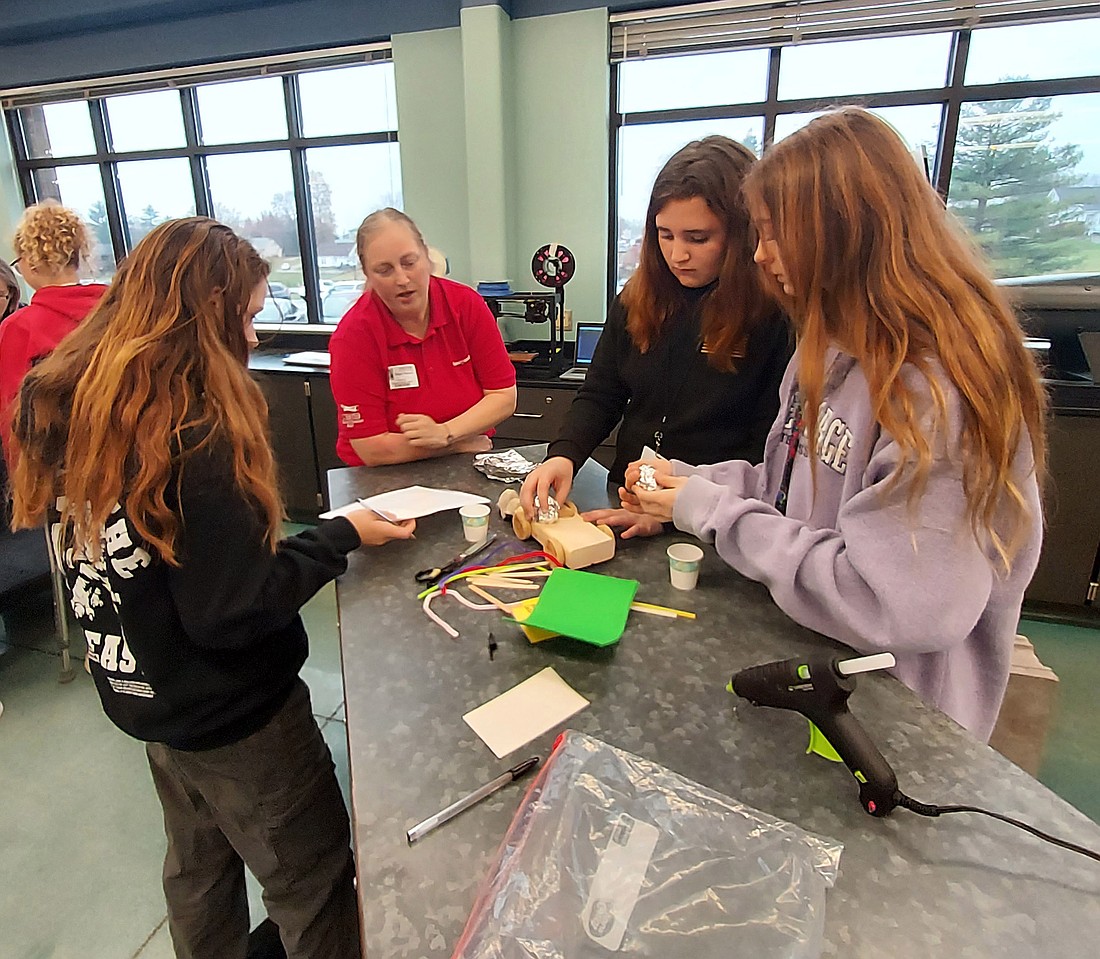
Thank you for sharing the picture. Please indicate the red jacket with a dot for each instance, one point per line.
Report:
(32, 332)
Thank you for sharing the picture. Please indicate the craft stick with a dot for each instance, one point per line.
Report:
(475, 571)
(653, 607)
(503, 583)
(643, 608)
(499, 604)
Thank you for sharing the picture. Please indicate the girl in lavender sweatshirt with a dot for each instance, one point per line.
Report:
(897, 507)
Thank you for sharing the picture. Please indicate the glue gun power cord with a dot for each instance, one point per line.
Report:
(927, 809)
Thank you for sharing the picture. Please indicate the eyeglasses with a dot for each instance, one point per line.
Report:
(15, 263)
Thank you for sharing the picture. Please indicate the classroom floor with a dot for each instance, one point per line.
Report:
(81, 840)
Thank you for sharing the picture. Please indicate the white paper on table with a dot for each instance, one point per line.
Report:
(524, 712)
(411, 502)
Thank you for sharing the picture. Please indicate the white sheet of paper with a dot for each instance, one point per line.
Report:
(412, 502)
(649, 453)
(525, 711)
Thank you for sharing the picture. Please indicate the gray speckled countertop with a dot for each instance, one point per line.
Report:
(961, 885)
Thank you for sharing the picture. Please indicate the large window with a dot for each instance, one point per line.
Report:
(1005, 119)
(292, 161)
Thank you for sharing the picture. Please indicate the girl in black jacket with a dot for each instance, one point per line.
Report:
(693, 349)
(143, 440)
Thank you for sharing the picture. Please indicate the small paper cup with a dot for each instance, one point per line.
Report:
(683, 565)
(475, 522)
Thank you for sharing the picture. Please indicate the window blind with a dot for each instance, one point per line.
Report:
(177, 77)
(701, 27)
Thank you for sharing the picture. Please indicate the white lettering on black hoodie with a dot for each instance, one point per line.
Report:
(203, 654)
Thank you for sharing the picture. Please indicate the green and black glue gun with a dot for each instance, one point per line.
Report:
(819, 687)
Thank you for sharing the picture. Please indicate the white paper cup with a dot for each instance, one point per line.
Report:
(683, 565)
(475, 521)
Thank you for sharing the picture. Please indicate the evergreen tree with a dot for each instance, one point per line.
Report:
(142, 224)
(1004, 186)
(324, 221)
(101, 230)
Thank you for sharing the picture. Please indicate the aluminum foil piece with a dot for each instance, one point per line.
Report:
(647, 478)
(548, 513)
(507, 466)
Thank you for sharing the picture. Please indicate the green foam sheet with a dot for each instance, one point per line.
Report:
(587, 606)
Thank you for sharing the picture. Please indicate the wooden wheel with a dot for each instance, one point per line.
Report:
(555, 549)
(521, 526)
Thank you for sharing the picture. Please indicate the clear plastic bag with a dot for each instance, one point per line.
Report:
(613, 854)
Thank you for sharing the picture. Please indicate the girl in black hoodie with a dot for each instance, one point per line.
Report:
(144, 441)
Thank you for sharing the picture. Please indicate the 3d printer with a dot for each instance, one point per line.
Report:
(538, 307)
(552, 266)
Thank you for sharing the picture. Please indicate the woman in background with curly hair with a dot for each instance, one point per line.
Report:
(50, 244)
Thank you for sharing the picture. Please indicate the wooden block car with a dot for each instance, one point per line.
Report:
(570, 540)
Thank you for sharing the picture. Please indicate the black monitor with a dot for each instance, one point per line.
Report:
(1063, 309)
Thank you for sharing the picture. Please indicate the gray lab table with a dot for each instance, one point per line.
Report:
(961, 885)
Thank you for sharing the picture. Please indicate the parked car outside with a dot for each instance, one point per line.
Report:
(336, 303)
(280, 310)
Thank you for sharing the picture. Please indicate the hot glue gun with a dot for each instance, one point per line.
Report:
(819, 687)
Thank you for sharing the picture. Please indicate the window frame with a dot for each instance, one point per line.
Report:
(951, 98)
(196, 153)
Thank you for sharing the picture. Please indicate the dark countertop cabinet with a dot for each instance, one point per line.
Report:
(1065, 584)
(303, 431)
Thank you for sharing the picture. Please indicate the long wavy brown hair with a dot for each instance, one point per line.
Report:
(712, 168)
(156, 373)
(881, 269)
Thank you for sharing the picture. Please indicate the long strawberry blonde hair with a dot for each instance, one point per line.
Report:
(712, 168)
(156, 373)
(881, 269)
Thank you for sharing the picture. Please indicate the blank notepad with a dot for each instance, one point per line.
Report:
(525, 712)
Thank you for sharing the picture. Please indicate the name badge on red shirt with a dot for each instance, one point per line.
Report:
(403, 377)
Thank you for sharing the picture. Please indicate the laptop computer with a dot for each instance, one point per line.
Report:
(588, 334)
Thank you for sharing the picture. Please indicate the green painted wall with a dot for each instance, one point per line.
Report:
(486, 62)
(560, 150)
(431, 123)
(504, 146)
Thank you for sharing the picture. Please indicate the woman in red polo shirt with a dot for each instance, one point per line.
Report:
(418, 365)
